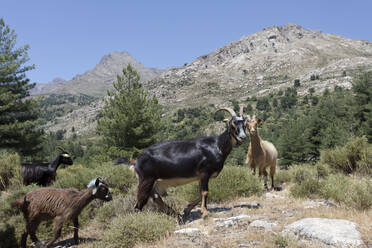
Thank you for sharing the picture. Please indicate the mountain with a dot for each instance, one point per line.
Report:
(41, 88)
(264, 61)
(257, 64)
(95, 82)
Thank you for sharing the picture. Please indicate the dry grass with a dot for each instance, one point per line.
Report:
(284, 211)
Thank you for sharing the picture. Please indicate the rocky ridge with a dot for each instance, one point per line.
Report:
(265, 61)
(95, 82)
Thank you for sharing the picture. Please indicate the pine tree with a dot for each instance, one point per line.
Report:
(130, 118)
(362, 87)
(19, 115)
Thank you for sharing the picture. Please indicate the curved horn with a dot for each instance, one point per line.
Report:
(241, 110)
(231, 111)
(61, 148)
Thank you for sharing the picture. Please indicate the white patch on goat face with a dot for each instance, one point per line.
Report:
(92, 183)
(65, 155)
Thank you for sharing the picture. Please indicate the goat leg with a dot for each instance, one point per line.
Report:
(190, 206)
(143, 193)
(76, 230)
(166, 209)
(204, 194)
(58, 223)
(24, 239)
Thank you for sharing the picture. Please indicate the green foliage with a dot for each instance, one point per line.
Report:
(120, 178)
(10, 174)
(282, 176)
(338, 187)
(307, 188)
(7, 236)
(19, 115)
(130, 118)
(127, 230)
(53, 105)
(362, 88)
(263, 104)
(354, 156)
(232, 182)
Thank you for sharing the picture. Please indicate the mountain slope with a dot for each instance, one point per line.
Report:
(95, 82)
(273, 57)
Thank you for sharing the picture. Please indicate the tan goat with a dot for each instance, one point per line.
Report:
(261, 153)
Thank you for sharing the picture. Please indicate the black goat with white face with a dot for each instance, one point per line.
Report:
(174, 163)
(44, 173)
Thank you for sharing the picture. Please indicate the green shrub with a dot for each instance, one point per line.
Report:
(360, 194)
(282, 176)
(120, 205)
(322, 170)
(301, 173)
(119, 178)
(127, 230)
(335, 187)
(7, 236)
(10, 171)
(354, 156)
(308, 188)
(232, 182)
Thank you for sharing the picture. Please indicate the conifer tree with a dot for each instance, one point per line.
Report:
(130, 117)
(362, 87)
(19, 115)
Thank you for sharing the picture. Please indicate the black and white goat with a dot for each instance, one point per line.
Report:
(174, 163)
(44, 173)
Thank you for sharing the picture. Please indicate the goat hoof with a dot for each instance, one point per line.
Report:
(181, 219)
(278, 188)
(205, 215)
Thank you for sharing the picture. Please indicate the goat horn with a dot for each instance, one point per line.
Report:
(61, 148)
(231, 111)
(241, 110)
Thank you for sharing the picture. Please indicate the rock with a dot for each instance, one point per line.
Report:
(271, 195)
(228, 222)
(337, 232)
(315, 204)
(267, 225)
(189, 231)
(251, 243)
(253, 205)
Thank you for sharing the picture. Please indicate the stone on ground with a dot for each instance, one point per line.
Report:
(336, 232)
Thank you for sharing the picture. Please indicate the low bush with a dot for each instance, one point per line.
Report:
(10, 173)
(354, 156)
(335, 188)
(301, 173)
(120, 178)
(232, 182)
(360, 194)
(127, 230)
(308, 188)
(282, 176)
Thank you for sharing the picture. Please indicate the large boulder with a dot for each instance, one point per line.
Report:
(335, 232)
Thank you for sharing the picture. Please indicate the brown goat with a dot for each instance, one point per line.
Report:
(261, 153)
(61, 205)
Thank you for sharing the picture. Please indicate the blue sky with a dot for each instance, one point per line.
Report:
(69, 37)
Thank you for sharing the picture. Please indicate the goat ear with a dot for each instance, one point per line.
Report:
(97, 182)
(259, 121)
